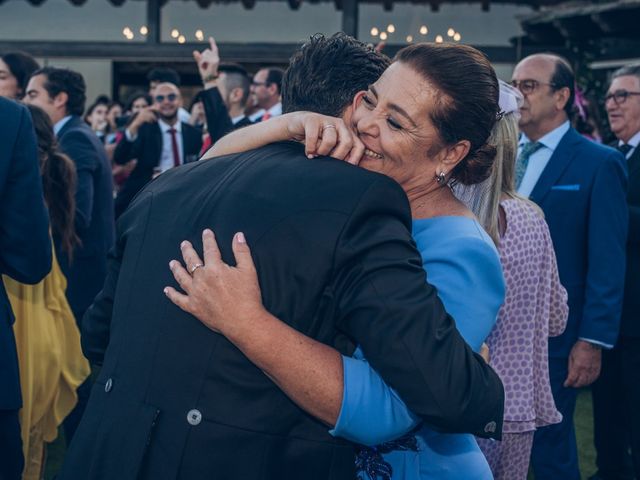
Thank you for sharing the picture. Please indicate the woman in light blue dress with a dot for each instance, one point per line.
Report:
(405, 138)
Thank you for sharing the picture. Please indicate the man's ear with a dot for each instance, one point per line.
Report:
(236, 95)
(60, 100)
(562, 97)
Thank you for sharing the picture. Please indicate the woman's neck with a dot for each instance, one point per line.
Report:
(438, 202)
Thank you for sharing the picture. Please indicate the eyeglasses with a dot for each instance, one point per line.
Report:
(172, 97)
(529, 85)
(259, 84)
(619, 96)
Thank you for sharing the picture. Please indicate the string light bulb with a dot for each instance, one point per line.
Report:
(439, 39)
(391, 28)
(199, 35)
(457, 37)
(144, 30)
(451, 32)
(424, 30)
(175, 33)
(383, 36)
(409, 39)
(374, 32)
(181, 39)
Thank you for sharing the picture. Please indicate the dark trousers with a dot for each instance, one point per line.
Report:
(11, 459)
(555, 455)
(616, 412)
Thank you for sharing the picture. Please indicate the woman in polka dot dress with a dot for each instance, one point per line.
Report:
(535, 306)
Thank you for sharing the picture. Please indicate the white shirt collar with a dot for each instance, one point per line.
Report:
(235, 120)
(633, 141)
(276, 110)
(551, 139)
(60, 123)
(165, 127)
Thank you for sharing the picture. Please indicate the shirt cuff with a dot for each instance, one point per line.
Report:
(596, 342)
(130, 137)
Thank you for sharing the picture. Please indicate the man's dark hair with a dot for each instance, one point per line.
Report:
(326, 73)
(237, 77)
(563, 77)
(64, 80)
(274, 75)
(21, 65)
(163, 75)
(627, 71)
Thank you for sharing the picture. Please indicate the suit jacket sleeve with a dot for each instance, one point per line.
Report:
(386, 306)
(25, 246)
(218, 120)
(82, 151)
(608, 223)
(634, 224)
(127, 150)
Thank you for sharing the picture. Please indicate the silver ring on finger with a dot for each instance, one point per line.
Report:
(195, 267)
(327, 127)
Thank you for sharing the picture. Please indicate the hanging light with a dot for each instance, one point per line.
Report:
(383, 36)
(199, 35)
(391, 28)
(457, 37)
(144, 30)
(181, 39)
(374, 32)
(451, 32)
(439, 39)
(409, 39)
(175, 33)
(424, 30)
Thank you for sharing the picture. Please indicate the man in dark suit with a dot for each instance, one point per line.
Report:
(226, 91)
(581, 188)
(157, 140)
(616, 394)
(333, 247)
(61, 93)
(25, 256)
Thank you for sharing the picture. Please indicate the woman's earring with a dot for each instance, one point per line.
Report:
(441, 178)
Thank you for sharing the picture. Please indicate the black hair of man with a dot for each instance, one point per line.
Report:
(236, 77)
(326, 73)
(21, 65)
(64, 80)
(163, 75)
(632, 70)
(563, 77)
(274, 76)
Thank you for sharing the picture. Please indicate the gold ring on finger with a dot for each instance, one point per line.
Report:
(195, 267)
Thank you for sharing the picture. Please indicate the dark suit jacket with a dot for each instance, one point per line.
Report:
(25, 246)
(218, 121)
(336, 260)
(630, 326)
(582, 193)
(94, 215)
(147, 150)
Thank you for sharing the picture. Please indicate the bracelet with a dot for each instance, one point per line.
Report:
(210, 77)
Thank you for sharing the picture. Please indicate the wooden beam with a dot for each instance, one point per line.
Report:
(153, 22)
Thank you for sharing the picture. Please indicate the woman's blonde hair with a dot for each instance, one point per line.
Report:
(484, 199)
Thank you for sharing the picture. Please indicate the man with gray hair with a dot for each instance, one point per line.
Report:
(616, 395)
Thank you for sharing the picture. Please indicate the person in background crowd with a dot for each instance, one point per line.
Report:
(159, 75)
(197, 118)
(114, 112)
(96, 118)
(581, 188)
(616, 395)
(157, 140)
(51, 363)
(137, 101)
(25, 256)
(61, 94)
(265, 90)
(535, 307)
(15, 70)
(225, 94)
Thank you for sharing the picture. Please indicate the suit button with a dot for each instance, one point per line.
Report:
(194, 417)
(108, 386)
(490, 427)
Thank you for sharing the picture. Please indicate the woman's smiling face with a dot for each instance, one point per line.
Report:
(393, 120)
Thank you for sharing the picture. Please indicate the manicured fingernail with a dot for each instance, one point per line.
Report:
(208, 231)
(166, 290)
(310, 156)
(183, 244)
(172, 264)
(240, 237)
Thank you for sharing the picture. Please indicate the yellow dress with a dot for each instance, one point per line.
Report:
(50, 358)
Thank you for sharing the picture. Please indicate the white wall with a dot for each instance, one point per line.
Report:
(97, 74)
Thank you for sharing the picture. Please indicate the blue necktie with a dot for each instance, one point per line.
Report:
(523, 160)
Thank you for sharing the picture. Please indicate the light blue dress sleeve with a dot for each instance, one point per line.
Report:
(372, 412)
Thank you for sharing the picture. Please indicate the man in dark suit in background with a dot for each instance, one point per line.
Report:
(25, 256)
(61, 93)
(581, 188)
(336, 261)
(616, 394)
(157, 140)
(226, 91)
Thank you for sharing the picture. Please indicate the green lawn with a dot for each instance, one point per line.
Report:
(584, 432)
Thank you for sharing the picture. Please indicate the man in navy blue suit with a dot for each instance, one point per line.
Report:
(61, 93)
(25, 255)
(581, 187)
